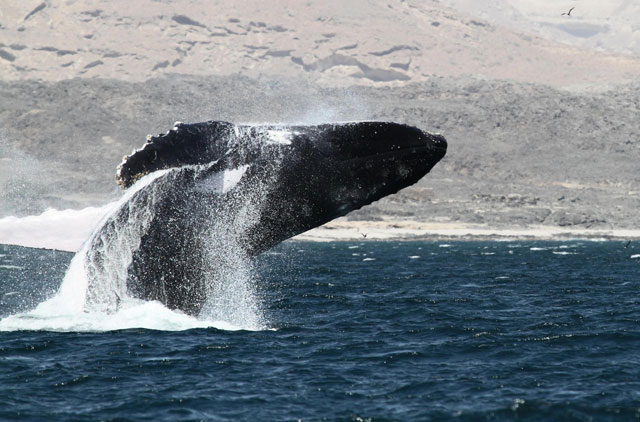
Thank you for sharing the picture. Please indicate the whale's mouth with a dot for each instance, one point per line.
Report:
(430, 143)
(434, 146)
(409, 152)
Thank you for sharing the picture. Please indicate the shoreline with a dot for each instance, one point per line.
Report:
(67, 230)
(343, 230)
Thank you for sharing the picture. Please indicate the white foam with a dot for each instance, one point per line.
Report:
(131, 314)
(68, 303)
(11, 267)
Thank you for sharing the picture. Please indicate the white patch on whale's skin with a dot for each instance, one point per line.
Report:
(282, 137)
(232, 177)
(223, 181)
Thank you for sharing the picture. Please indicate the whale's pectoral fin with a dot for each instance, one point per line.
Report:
(184, 144)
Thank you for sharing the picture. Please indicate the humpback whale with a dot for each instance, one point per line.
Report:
(219, 191)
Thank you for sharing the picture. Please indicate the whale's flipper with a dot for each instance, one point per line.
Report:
(183, 144)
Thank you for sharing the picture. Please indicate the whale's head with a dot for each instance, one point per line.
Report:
(360, 162)
(307, 175)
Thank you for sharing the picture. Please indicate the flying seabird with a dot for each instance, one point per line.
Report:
(363, 234)
(569, 12)
(627, 245)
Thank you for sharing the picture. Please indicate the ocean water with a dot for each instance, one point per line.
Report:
(352, 331)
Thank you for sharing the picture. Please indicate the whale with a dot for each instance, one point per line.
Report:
(215, 192)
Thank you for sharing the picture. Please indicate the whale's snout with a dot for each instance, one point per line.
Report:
(436, 145)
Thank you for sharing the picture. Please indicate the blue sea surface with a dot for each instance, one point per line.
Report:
(356, 331)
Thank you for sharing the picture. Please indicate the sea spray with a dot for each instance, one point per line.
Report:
(97, 273)
(232, 290)
(110, 250)
(219, 220)
(93, 294)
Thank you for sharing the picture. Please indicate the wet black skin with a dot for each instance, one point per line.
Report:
(324, 172)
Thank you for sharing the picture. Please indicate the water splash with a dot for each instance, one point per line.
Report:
(232, 290)
(109, 251)
(131, 314)
(94, 295)
(231, 294)
(79, 304)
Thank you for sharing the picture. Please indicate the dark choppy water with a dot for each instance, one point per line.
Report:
(537, 331)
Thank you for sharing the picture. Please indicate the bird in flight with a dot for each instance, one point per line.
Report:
(364, 235)
(569, 12)
(627, 245)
